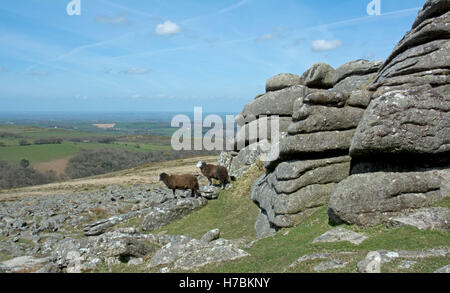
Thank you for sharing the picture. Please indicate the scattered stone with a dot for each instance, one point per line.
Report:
(330, 265)
(170, 211)
(371, 264)
(340, 234)
(194, 254)
(23, 264)
(407, 264)
(424, 219)
(445, 270)
(211, 236)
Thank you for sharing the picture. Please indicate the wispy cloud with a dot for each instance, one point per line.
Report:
(232, 7)
(135, 71)
(167, 28)
(3, 69)
(324, 45)
(113, 20)
(219, 12)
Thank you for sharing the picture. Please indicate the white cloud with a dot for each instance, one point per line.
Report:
(167, 28)
(135, 71)
(324, 45)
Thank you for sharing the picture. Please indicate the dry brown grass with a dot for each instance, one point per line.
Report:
(147, 174)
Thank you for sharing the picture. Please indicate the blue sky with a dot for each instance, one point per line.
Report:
(172, 55)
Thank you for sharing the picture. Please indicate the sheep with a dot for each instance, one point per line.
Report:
(183, 182)
(215, 172)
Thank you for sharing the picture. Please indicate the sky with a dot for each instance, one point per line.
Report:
(173, 55)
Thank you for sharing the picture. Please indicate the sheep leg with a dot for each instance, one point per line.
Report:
(210, 181)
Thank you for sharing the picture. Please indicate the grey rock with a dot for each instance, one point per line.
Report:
(135, 261)
(209, 192)
(360, 98)
(330, 265)
(260, 129)
(406, 264)
(293, 169)
(443, 270)
(327, 98)
(170, 211)
(358, 67)
(104, 225)
(292, 220)
(333, 173)
(194, 254)
(424, 219)
(211, 236)
(240, 120)
(354, 82)
(412, 55)
(282, 81)
(24, 264)
(201, 257)
(371, 264)
(308, 197)
(390, 256)
(431, 8)
(320, 76)
(370, 199)
(225, 159)
(263, 227)
(412, 121)
(247, 157)
(323, 118)
(274, 103)
(340, 234)
(320, 142)
(309, 257)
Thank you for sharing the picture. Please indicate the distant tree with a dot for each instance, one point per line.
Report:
(24, 163)
(24, 142)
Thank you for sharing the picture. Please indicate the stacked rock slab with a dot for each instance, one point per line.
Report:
(281, 92)
(313, 157)
(401, 149)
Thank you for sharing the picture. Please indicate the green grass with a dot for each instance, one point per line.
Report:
(50, 152)
(233, 213)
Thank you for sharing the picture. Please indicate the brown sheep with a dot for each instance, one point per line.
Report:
(183, 182)
(215, 172)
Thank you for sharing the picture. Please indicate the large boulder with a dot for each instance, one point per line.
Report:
(415, 121)
(282, 81)
(171, 211)
(293, 191)
(373, 198)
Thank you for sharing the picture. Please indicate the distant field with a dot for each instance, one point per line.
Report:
(50, 152)
(36, 154)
